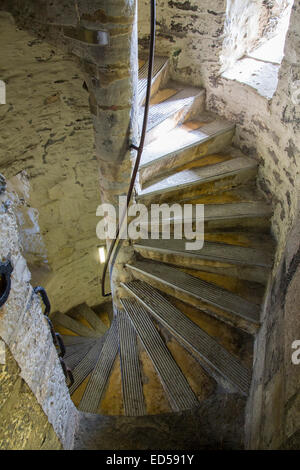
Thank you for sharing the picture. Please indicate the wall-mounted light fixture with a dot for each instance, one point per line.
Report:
(102, 254)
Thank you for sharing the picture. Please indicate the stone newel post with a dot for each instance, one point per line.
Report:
(112, 84)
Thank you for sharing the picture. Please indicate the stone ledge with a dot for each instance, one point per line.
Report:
(262, 76)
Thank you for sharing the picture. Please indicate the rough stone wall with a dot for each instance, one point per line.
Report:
(193, 35)
(112, 83)
(23, 424)
(111, 77)
(273, 415)
(248, 24)
(190, 33)
(204, 38)
(47, 131)
(242, 30)
(269, 130)
(26, 334)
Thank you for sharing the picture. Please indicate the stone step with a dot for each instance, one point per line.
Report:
(191, 335)
(70, 341)
(257, 241)
(101, 372)
(64, 320)
(253, 216)
(186, 143)
(243, 193)
(73, 348)
(86, 312)
(87, 364)
(160, 70)
(249, 264)
(211, 251)
(188, 183)
(177, 103)
(132, 387)
(210, 298)
(177, 389)
(72, 360)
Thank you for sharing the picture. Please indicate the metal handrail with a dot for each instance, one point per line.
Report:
(140, 148)
(6, 270)
(56, 337)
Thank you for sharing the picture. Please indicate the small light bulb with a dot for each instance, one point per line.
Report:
(102, 254)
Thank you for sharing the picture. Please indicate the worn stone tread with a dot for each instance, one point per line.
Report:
(73, 325)
(191, 335)
(216, 212)
(83, 310)
(237, 210)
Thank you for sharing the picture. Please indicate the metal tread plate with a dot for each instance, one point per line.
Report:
(158, 65)
(212, 251)
(161, 111)
(188, 178)
(132, 387)
(202, 290)
(191, 335)
(177, 389)
(85, 367)
(98, 380)
(179, 140)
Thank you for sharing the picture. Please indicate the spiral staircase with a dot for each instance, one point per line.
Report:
(189, 318)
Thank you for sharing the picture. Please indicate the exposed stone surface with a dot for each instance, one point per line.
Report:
(269, 130)
(190, 33)
(198, 37)
(217, 424)
(251, 23)
(260, 75)
(273, 411)
(193, 35)
(47, 131)
(27, 335)
(23, 424)
(111, 80)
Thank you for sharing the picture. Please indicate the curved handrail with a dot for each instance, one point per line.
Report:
(39, 290)
(140, 148)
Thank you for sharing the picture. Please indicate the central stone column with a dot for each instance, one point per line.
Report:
(111, 77)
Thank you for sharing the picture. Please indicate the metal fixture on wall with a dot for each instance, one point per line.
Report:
(5, 281)
(56, 337)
